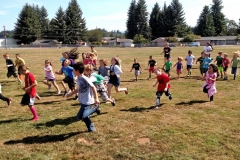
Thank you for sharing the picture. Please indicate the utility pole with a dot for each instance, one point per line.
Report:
(5, 37)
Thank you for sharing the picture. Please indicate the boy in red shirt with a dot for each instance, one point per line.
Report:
(163, 86)
(225, 62)
(30, 90)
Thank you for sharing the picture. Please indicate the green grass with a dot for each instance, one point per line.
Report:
(187, 127)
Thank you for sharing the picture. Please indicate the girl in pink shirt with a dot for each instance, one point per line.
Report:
(50, 76)
(210, 85)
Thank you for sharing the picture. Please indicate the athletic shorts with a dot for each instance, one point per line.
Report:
(201, 70)
(189, 66)
(205, 70)
(50, 79)
(151, 69)
(179, 71)
(70, 82)
(167, 56)
(137, 72)
(14, 74)
(114, 81)
(225, 69)
(167, 70)
(220, 69)
(27, 100)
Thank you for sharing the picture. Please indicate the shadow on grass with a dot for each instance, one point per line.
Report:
(140, 109)
(58, 121)
(12, 120)
(43, 139)
(191, 102)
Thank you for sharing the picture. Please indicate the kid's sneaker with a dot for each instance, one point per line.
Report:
(170, 97)
(97, 107)
(113, 102)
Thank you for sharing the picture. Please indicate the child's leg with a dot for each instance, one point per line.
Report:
(149, 75)
(56, 86)
(121, 90)
(211, 98)
(168, 94)
(158, 94)
(3, 98)
(34, 112)
(109, 88)
(87, 111)
(64, 86)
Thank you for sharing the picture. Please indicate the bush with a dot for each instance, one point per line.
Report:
(190, 38)
(171, 39)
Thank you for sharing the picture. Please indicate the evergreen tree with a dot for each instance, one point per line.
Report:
(141, 17)
(170, 22)
(218, 16)
(131, 23)
(154, 21)
(27, 28)
(161, 22)
(58, 26)
(76, 25)
(205, 24)
(44, 22)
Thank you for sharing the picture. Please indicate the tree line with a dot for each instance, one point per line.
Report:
(68, 26)
(169, 21)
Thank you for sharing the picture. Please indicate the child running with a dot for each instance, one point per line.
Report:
(137, 68)
(179, 66)
(200, 60)
(163, 86)
(167, 66)
(103, 70)
(18, 62)
(69, 77)
(30, 90)
(8, 100)
(11, 68)
(225, 62)
(210, 85)
(234, 63)
(151, 64)
(219, 63)
(190, 61)
(206, 61)
(97, 80)
(114, 78)
(50, 77)
(87, 96)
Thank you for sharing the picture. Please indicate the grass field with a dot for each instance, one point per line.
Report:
(187, 127)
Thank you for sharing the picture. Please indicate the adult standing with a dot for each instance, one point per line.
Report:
(208, 49)
(167, 51)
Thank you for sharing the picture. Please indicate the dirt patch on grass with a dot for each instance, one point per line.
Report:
(83, 140)
(143, 140)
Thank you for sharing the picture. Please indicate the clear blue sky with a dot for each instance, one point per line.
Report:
(109, 14)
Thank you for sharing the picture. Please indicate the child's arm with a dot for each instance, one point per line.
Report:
(95, 95)
(174, 65)
(166, 87)
(59, 72)
(131, 69)
(155, 83)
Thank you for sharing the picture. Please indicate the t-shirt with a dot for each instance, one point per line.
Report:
(19, 62)
(85, 93)
(206, 62)
(168, 65)
(225, 62)
(98, 79)
(152, 63)
(49, 75)
(10, 68)
(212, 76)
(200, 60)
(29, 80)
(95, 53)
(67, 71)
(162, 79)
(136, 66)
(235, 62)
(190, 59)
(167, 50)
(219, 61)
(103, 71)
(207, 49)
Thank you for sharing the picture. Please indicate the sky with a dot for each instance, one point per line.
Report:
(109, 14)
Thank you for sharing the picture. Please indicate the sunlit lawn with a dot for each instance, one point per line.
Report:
(187, 127)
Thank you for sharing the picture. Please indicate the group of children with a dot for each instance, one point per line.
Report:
(89, 83)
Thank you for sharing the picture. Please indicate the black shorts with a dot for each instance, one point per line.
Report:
(27, 100)
(12, 73)
(159, 93)
(225, 69)
(189, 66)
(114, 80)
(167, 56)
(70, 82)
(167, 70)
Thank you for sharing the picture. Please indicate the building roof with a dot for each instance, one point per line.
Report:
(122, 40)
(218, 38)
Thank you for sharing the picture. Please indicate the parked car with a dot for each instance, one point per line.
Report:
(197, 44)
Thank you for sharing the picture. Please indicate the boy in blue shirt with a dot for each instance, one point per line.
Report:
(86, 94)
(206, 61)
